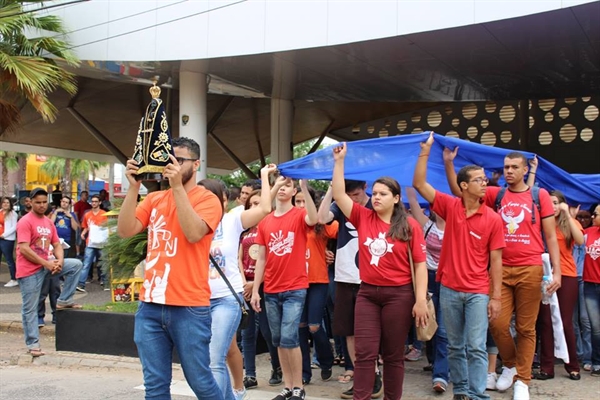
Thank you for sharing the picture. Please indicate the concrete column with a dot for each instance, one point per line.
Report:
(282, 125)
(192, 103)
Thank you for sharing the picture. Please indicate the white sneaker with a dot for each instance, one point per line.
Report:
(240, 394)
(505, 381)
(11, 283)
(491, 381)
(520, 391)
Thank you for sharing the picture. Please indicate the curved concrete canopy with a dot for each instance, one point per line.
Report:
(550, 55)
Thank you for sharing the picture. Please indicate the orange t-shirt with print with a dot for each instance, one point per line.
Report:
(315, 252)
(176, 271)
(89, 218)
(567, 262)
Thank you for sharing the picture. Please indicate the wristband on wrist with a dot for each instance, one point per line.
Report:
(532, 173)
(497, 298)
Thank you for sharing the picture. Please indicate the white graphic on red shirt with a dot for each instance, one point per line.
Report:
(378, 248)
(280, 245)
(512, 222)
(593, 250)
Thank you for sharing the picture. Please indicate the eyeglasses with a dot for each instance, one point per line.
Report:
(480, 181)
(181, 160)
(583, 217)
(594, 215)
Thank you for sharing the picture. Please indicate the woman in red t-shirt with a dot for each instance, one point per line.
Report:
(386, 302)
(568, 232)
(591, 285)
(316, 295)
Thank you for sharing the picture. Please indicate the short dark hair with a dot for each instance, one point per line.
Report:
(103, 191)
(517, 154)
(68, 198)
(253, 183)
(84, 191)
(190, 144)
(464, 174)
(351, 185)
(95, 196)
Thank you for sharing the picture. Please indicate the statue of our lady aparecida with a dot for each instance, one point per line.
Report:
(153, 143)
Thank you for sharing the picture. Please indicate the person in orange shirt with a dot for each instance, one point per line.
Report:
(316, 295)
(92, 223)
(569, 232)
(174, 309)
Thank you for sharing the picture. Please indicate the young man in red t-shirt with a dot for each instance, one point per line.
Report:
(591, 285)
(281, 266)
(473, 239)
(174, 310)
(522, 270)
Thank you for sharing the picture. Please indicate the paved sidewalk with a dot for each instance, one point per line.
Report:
(417, 383)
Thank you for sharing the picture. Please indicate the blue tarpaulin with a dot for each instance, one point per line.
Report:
(397, 156)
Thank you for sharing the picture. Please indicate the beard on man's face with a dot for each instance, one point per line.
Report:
(187, 175)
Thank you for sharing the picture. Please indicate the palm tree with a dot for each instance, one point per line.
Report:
(9, 162)
(68, 169)
(29, 71)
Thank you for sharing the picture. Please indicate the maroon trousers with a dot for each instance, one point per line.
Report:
(383, 318)
(568, 295)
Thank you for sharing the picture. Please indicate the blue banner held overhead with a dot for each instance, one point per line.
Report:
(396, 156)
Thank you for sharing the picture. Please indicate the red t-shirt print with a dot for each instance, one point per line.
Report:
(285, 239)
(591, 266)
(524, 244)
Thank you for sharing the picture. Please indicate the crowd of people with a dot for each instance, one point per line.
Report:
(347, 274)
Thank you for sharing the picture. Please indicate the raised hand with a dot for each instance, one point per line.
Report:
(131, 169)
(268, 169)
(173, 172)
(339, 152)
(428, 143)
(450, 155)
(533, 163)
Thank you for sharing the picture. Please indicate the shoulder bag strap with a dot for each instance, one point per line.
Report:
(212, 260)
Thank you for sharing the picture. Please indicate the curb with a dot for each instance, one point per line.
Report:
(64, 360)
(17, 327)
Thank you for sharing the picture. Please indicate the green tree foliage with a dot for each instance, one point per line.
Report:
(31, 48)
(67, 170)
(238, 177)
(9, 162)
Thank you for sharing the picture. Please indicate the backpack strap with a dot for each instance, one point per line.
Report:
(499, 198)
(535, 198)
(428, 229)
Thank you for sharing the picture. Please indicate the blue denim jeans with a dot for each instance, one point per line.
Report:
(440, 340)
(312, 316)
(283, 311)
(160, 328)
(591, 292)
(225, 313)
(256, 322)
(50, 288)
(7, 247)
(466, 319)
(31, 287)
(582, 327)
(90, 256)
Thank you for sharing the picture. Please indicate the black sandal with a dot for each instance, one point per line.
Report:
(542, 376)
(574, 376)
(336, 360)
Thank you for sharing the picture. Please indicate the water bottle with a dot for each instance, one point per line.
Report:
(545, 295)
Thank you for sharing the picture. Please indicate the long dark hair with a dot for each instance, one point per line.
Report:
(218, 188)
(10, 202)
(319, 228)
(563, 220)
(400, 229)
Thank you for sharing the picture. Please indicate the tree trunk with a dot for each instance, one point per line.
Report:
(23, 173)
(66, 181)
(4, 177)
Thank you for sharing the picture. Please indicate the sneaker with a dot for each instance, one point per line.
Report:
(250, 382)
(505, 381)
(439, 387)
(106, 288)
(377, 387)
(81, 289)
(240, 394)
(298, 394)
(520, 391)
(41, 322)
(276, 377)
(284, 395)
(491, 381)
(348, 394)
(587, 367)
(413, 355)
(596, 371)
(11, 283)
(305, 381)
(326, 374)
